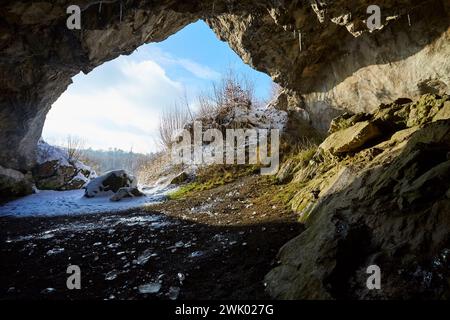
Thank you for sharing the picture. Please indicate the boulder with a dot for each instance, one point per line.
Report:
(56, 171)
(126, 192)
(14, 183)
(347, 120)
(390, 210)
(110, 182)
(351, 139)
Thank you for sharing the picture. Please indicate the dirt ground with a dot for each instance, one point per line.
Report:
(218, 244)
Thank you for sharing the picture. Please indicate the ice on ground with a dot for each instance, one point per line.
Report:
(152, 287)
(144, 257)
(53, 203)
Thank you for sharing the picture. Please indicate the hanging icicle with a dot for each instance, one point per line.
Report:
(100, 7)
(300, 40)
(120, 11)
(295, 34)
(409, 20)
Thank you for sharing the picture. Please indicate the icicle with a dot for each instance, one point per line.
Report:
(300, 40)
(120, 11)
(100, 7)
(409, 20)
(295, 34)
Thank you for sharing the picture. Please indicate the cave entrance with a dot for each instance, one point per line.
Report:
(113, 112)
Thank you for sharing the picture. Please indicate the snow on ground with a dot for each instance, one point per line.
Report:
(52, 203)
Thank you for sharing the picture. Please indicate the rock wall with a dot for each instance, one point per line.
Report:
(376, 197)
(341, 66)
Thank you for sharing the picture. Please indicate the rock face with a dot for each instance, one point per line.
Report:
(110, 183)
(350, 139)
(363, 208)
(385, 205)
(341, 65)
(56, 171)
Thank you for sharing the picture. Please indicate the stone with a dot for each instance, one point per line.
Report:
(443, 113)
(260, 32)
(152, 287)
(351, 139)
(14, 183)
(425, 109)
(126, 192)
(109, 183)
(347, 120)
(390, 210)
(55, 171)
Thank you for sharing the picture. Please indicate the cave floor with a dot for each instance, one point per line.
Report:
(216, 245)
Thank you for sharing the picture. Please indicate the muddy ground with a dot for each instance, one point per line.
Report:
(218, 244)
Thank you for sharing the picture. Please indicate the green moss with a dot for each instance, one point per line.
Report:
(287, 192)
(182, 191)
(213, 176)
(304, 156)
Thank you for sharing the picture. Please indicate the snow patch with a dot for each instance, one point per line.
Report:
(73, 202)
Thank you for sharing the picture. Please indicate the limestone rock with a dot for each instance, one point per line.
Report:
(35, 72)
(56, 171)
(386, 205)
(126, 192)
(14, 184)
(350, 139)
(109, 183)
(347, 120)
(443, 113)
(425, 109)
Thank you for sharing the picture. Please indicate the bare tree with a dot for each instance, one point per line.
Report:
(173, 120)
(219, 105)
(233, 90)
(74, 147)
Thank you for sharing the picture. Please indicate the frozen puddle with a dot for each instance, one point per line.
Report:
(52, 203)
(108, 223)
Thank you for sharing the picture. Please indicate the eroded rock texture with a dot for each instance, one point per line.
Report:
(341, 65)
(373, 206)
(385, 202)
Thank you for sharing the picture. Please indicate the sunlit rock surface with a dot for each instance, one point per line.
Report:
(341, 66)
(385, 203)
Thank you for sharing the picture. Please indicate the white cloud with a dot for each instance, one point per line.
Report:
(123, 115)
(198, 70)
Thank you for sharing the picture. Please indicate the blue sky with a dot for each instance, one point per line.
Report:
(118, 104)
